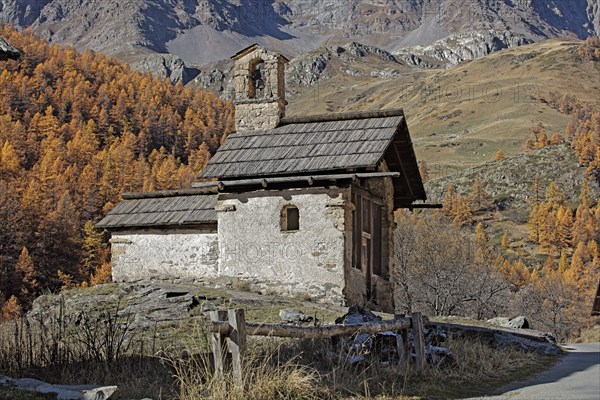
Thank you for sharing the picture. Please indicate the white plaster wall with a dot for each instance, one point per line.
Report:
(164, 254)
(305, 262)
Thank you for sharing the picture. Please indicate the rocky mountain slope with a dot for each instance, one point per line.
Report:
(458, 117)
(508, 182)
(161, 35)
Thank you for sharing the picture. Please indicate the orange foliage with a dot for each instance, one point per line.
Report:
(76, 130)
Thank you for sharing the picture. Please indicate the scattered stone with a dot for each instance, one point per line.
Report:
(384, 345)
(102, 393)
(439, 356)
(358, 315)
(294, 316)
(63, 392)
(519, 322)
(208, 306)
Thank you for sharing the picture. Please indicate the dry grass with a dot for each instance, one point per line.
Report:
(479, 370)
(291, 369)
(84, 349)
(68, 351)
(7, 393)
(264, 379)
(591, 335)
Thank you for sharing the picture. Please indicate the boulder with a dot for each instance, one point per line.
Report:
(519, 322)
(101, 393)
(208, 306)
(294, 316)
(357, 315)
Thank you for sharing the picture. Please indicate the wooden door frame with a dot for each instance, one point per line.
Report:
(367, 205)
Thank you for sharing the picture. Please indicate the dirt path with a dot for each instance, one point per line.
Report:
(575, 377)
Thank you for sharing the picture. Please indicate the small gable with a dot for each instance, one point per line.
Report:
(177, 208)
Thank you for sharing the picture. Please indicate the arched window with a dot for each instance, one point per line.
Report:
(290, 218)
(256, 74)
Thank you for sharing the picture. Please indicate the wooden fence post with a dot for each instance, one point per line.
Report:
(401, 342)
(236, 342)
(419, 342)
(217, 342)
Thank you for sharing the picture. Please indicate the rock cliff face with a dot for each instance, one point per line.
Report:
(458, 48)
(307, 70)
(204, 31)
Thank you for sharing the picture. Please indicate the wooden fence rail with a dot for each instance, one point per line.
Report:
(230, 328)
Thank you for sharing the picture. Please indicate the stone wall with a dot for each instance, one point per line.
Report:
(308, 262)
(146, 254)
(258, 115)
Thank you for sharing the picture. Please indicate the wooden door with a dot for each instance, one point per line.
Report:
(367, 236)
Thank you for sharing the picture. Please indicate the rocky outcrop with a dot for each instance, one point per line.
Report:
(8, 52)
(307, 70)
(217, 80)
(458, 48)
(166, 66)
(145, 304)
(508, 181)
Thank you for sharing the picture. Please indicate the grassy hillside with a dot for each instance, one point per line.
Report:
(461, 116)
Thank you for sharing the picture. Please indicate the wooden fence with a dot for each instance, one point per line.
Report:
(231, 329)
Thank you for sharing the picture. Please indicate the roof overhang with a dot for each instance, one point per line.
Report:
(309, 180)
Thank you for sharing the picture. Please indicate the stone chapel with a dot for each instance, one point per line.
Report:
(299, 206)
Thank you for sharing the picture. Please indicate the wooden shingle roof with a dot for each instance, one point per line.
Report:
(352, 142)
(178, 208)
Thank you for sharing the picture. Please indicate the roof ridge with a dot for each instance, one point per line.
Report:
(397, 112)
(167, 193)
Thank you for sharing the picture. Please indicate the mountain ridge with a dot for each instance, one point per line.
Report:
(150, 34)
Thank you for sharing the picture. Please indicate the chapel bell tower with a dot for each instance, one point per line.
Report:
(259, 82)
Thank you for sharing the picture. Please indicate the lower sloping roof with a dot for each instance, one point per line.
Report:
(178, 208)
